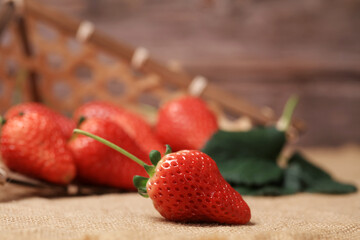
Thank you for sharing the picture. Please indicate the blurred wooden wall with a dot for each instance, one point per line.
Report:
(261, 50)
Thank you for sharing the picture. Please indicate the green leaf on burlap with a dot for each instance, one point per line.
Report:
(247, 158)
(331, 186)
(292, 178)
(301, 174)
(267, 190)
(260, 142)
(250, 171)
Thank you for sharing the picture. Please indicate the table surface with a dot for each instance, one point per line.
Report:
(26, 215)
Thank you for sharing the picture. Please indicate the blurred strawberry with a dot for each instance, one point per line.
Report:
(32, 144)
(65, 124)
(134, 125)
(186, 123)
(99, 164)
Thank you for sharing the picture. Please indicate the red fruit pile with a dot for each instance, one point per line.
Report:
(35, 140)
(184, 186)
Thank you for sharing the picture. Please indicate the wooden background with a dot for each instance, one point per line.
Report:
(261, 50)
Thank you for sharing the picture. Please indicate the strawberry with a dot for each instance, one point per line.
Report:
(186, 123)
(187, 186)
(135, 126)
(32, 144)
(65, 124)
(99, 164)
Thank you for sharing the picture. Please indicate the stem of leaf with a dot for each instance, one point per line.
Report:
(112, 145)
(285, 120)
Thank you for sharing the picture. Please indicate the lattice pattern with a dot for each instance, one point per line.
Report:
(71, 73)
(12, 70)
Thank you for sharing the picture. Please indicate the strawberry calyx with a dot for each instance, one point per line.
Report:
(78, 124)
(168, 149)
(80, 121)
(2, 121)
(139, 181)
(155, 157)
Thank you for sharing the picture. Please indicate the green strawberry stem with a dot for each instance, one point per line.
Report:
(112, 145)
(150, 169)
(139, 181)
(285, 120)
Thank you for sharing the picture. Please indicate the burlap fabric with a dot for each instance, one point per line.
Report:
(129, 216)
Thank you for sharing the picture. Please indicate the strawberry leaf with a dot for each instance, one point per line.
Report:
(331, 186)
(301, 174)
(292, 179)
(250, 171)
(267, 190)
(260, 142)
(248, 158)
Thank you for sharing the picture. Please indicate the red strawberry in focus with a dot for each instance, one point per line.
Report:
(187, 186)
(99, 164)
(65, 124)
(186, 123)
(32, 144)
(135, 126)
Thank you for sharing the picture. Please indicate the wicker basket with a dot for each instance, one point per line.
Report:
(62, 62)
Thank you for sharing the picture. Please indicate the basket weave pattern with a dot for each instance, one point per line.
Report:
(70, 72)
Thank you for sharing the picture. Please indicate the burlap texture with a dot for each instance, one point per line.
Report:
(129, 216)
